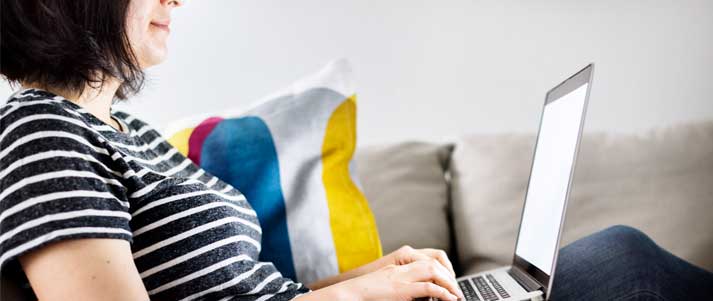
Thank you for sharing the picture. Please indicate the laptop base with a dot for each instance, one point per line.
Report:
(496, 284)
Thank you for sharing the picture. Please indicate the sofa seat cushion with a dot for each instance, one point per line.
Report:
(660, 181)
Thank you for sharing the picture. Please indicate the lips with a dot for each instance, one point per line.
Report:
(163, 25)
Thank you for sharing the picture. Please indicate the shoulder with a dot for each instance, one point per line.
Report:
(29, 102)
(39, 110)
(34, 120)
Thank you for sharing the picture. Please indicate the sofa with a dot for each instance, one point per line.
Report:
(465, 197)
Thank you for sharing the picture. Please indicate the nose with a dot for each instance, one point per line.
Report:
(173, 3)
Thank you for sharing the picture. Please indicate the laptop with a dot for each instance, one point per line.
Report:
(531, 274)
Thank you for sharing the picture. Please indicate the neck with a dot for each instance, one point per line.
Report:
(96, 100)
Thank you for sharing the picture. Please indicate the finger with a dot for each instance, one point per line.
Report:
(442, 257)
(407, 254)
(433, 271)
(417, 255)
(428, 289)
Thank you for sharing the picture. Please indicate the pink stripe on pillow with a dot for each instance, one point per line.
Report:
(195, 142)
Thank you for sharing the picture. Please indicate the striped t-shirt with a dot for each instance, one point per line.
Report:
(65, 174)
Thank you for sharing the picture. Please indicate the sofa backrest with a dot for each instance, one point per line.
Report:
(660, 182)
(408, 193)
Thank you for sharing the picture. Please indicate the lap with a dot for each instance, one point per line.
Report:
(622, 263)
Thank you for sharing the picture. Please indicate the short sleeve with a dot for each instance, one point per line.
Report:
(56, 181)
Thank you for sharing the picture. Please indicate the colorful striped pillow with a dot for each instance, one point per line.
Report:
(291, 155)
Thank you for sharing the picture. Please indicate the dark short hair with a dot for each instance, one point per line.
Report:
(68, 44)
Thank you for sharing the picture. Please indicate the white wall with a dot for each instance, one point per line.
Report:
(433, 70)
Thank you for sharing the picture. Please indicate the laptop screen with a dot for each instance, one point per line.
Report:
(552, 168)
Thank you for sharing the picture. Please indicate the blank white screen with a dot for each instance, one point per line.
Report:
(551, 169)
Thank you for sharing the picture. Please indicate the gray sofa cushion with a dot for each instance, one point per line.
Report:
(407, 192)
(660, 182)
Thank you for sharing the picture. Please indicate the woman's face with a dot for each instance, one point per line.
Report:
(148, 26)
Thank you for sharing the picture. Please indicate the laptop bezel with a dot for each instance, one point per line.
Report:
(583, 76)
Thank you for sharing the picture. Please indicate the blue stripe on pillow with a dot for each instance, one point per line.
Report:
(248, 145)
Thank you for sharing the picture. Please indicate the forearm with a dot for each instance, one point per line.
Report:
(364, 269)
(333, 292)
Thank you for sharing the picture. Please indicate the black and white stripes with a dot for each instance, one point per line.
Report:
(64, 174)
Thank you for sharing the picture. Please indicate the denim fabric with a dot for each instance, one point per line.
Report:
(622, 263)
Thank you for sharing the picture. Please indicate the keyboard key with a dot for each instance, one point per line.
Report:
(497, 286)
(482, 285)
(468, 290)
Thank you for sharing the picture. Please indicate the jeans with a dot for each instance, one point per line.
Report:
(622, 263)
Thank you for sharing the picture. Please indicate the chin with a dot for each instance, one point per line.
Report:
(153, 56)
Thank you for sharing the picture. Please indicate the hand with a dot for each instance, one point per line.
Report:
(420, 278)
(402, 256)
(407, 254)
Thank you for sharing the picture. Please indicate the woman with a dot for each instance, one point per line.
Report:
(96, 205)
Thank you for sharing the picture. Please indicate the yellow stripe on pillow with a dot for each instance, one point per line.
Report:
(180, 140)
(353, 226)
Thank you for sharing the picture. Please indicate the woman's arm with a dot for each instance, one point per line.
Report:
(423, 278)
(353, 273)
(402, 256)
(103, 269)
(84, 269)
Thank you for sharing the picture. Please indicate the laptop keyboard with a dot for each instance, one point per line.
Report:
(483, 285)
(499, 288)
(468, 291)
(484, 288)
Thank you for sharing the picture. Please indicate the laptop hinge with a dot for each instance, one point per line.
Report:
(524, 280)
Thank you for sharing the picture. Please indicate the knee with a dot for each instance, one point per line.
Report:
(624, 231)
(619, 243)
(609, 251)
(623, 242)
(626, 239)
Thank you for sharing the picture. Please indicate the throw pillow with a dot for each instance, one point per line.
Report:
(290, 155)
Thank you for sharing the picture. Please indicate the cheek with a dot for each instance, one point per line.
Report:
(137, 22)
(136, 34)
(154, 48)
(147, 44)
(138, 39)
